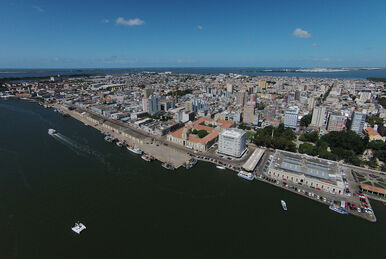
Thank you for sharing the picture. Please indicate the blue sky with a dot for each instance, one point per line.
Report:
(82, 33)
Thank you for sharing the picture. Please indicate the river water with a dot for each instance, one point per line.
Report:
(352, 74)
(137, 209)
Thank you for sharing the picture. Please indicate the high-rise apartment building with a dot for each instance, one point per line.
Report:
(336, 122)
(249, 113)
(291, 117)
(358, 120)
(318, 116)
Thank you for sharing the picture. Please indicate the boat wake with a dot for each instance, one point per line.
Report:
(79, 149)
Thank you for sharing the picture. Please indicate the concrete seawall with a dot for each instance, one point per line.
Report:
(145, 143)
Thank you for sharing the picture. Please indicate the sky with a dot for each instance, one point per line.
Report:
(211, 33)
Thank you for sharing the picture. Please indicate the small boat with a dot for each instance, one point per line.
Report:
(190, 163)
(338, 209)
(283, 204)
(51, 131)
(147, 158)
(220, 167)
(79, 227)
(109, 139)
(135, 150)
(245, 175)
(167, 166)
(121, 143)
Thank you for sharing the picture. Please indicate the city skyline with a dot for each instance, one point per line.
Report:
(42, 34)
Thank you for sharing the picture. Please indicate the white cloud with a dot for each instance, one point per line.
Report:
(129, 22)
(38, 8)
(200, 27)
(315, 44)
(105, 21)
(299, 33)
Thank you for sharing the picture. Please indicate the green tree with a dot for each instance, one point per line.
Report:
(306, 120)
(307, 148)
(202, 133)
(310, 137)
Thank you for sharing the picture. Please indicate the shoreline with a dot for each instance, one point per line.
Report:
(159, 151)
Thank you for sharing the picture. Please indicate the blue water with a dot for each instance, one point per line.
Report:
(361, 74)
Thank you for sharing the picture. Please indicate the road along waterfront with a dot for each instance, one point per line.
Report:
(139, 209)
(177, 155)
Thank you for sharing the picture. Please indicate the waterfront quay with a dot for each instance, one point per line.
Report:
(176, 155)
(131, 136)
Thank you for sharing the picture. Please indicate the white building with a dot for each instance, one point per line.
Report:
(318, 116)
(358, 120)
(151, 105)
(291, 117)
(232, 142)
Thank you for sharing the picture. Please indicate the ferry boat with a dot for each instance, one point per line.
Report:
(283, 204)
(135, 150)
(167, 166)
(79, 227)
(338, 209)
(220, 167)
(147, 158)
(245, 175)
(51, 131)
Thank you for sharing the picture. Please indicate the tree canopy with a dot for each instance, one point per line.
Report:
(305, 120)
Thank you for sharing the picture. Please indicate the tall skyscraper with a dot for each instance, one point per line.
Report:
(311, 103)
(249, 113)
(291, 117)
(151, 105)
(242, 98)
(318, 116)
(148, 91)
(229, 88)
(358, 120)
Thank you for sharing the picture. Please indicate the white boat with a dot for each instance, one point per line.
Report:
(283, 204)
(220, 167)
(79, 227)
(51, 131)
(245, 175)
(135, 150)
(147, 158)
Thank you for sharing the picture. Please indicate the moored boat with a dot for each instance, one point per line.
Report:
(190, 163)
(147, 157)
(220, 167)
(121, 143)
(338, 209)
(135, 150)
(245, 175)
(283, 204)
(167, 166)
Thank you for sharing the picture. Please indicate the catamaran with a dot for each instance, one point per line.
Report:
(79, 227)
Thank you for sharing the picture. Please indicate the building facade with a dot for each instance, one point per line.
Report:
(318, 116)
(358, 120)
(336, 122)
(232, 142)
(291, 117)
